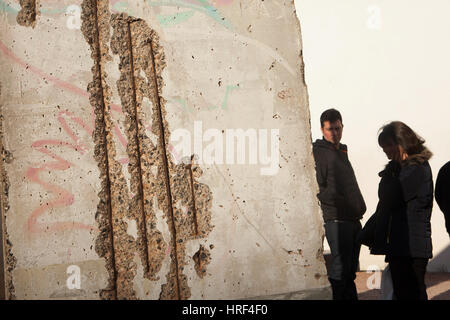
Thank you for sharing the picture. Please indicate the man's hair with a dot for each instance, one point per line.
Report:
(331, 115)
(400, 134)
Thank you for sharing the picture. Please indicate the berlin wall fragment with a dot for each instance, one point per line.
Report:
(156, 150)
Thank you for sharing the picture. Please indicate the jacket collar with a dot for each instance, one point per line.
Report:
(392, 168)
(328, 145)
(418, 158)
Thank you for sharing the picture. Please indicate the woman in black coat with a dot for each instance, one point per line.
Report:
(401, 227)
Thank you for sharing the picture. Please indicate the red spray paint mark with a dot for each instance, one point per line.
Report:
(63, 85)
(64, 198)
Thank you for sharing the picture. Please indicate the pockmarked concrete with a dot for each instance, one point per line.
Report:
(157, 150)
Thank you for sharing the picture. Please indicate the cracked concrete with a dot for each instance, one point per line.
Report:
(28, 14)
(115, 202)
(141, 54)
(8, 261)
(153, 226)
(202, 258)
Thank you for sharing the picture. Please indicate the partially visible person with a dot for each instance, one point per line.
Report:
(442, 193)
(403, 227)
(342, 205)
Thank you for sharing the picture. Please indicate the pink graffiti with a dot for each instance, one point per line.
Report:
(63, 85)
(223, 2)
(64, 198)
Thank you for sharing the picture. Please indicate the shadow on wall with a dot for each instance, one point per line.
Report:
(373, 294)
(327, 257)
(438, 284)
(442, 296)
(441, 262)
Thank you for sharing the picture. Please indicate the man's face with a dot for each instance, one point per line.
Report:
(332, 131)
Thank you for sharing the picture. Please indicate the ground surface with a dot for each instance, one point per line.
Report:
(438, 286)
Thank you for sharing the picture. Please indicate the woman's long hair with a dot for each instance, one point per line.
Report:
(400, 134)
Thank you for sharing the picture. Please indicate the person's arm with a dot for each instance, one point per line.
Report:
(442, 193)
(321, 170)
(327, 193)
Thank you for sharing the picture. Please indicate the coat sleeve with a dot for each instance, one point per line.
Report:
(327, 193)
(321, 169)
(443, 188)
(442, 193)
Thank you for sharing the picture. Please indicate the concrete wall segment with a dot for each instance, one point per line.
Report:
(105, 185)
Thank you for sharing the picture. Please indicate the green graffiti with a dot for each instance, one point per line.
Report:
(118, 7)
(170, 20)
(183, 104)
(205, 8)
(185, 107)
(225, 99)
(6, 8)
(122, 7)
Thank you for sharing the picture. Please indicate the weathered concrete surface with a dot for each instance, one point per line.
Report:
(97, 100)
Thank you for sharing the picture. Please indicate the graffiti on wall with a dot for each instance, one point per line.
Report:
(63, 197)
(73, 10)
(72, 140)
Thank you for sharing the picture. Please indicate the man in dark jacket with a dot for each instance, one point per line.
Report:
(342, 205)
(442, 193)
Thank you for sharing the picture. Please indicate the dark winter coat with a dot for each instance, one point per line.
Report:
(376, 231)
(402, 225)
(339, 193)
(442, 193)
